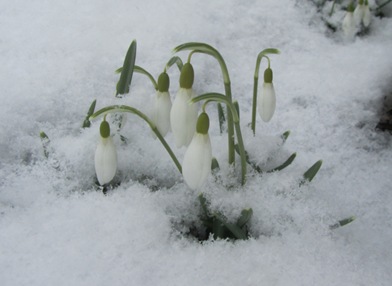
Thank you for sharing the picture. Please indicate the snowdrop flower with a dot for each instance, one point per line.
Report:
(105, 156)
(348, 25)
(266, 99)
(197, 159)
(367, 16)
(162, 105)
(358, 13)
(183, 115)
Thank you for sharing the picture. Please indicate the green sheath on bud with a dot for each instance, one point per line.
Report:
(203, 123)
(104, 129)
(268, 75)
(163, 82)
(187, 76)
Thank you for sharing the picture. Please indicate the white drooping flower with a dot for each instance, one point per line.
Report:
(358, 13)
(266, 99)
(348, 26)
(183, 115)
(105, 156)
(160, 114)
(197, 159)
(367, 15)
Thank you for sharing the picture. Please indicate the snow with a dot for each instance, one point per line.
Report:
(56, 229)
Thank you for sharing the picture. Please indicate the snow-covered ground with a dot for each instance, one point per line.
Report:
(56, 229)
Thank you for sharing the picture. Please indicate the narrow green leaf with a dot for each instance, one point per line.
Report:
(45, 143)
(246, 215)
(311, 172)
(218, 229)
(86, 122)
(127, 71)
(285, 164)
(237, 149)
(285, 135)
(214, 164)
(342, 222)
(204, 203)
(238, 232)
(221, 116)
(237, 108)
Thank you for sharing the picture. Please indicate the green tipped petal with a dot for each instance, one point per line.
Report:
(104, 129)
(203, 123)
(187, 76)
(163, 82)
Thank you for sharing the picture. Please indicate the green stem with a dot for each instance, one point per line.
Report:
(209, 50)
(230, 127)
(254, 104)
(242, 152)
(142, 71)
(129, 109)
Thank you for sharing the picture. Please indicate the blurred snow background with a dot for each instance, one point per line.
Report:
(58, 56)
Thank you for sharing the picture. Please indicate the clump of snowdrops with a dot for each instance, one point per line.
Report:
(350, 18)
(189, 125)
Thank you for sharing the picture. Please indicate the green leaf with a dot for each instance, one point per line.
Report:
(86, 122)
(238, 232)
(237, 108)
(214, 164)
(221, 116)
(127, 71)
(285, 135)
(218, 229)
(246, 214)
(285, 164)
(343, 222)
(311, 172)
(204, 203)
(45, 143)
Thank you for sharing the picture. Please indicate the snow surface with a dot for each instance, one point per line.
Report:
(56, 229)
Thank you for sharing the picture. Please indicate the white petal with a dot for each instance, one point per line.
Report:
(197, 161)
(358, 14)
(161, 112)
(348, 26)
(367, 16)
(183, 117)
(105, 160)
(266, 102)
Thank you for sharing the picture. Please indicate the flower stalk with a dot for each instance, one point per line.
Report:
(129, 109)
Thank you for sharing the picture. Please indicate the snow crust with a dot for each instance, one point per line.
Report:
(56, 229)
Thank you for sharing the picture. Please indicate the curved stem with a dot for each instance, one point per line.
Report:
(242, 152)
(129, 109)
(172, 61)
(142, 71)
(209, 50)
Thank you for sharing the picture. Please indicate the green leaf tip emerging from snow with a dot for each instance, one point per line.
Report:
(311, 172)
(127, 70)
